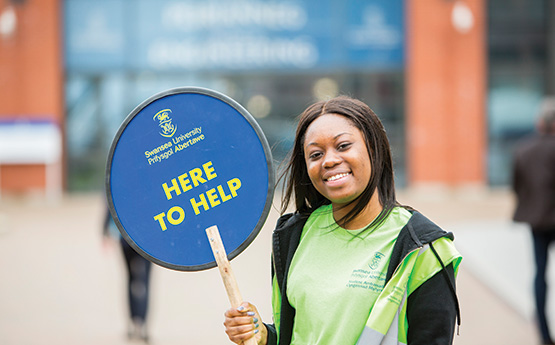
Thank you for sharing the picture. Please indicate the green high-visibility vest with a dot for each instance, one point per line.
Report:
(424, 251)
(387, 323)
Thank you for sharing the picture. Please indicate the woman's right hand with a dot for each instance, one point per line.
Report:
(243, 323)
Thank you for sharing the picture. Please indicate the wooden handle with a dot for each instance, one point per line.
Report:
(226, 272)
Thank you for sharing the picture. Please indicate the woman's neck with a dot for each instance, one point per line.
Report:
(368, 214)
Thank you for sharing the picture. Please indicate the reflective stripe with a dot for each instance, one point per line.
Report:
(371, 336)
(385, 319)
(392, 335)
(423, 249)
(387, 323)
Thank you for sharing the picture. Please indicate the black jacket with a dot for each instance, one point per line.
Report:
(534, 182)
(428, 328)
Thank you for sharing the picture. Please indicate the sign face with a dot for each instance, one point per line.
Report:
(182, 161)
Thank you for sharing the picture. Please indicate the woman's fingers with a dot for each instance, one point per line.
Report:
(242, 331)
(238, 321)
(241, 323)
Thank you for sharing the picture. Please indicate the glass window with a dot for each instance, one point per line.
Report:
(274, 58)
(517, 64)
(97, 105)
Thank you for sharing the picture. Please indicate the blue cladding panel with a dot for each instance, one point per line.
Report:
(233, 35)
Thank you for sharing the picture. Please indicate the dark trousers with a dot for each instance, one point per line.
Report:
(542, 239)
(138, 277)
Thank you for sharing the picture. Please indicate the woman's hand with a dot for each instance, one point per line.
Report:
(243, 323)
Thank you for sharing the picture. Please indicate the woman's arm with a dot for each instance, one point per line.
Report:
(431, 311)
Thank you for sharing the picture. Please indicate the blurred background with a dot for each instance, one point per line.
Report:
(457, 84)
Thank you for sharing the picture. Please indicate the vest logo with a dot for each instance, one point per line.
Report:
(167, 128)
(375, 262)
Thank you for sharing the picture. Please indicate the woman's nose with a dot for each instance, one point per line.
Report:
(331, 159)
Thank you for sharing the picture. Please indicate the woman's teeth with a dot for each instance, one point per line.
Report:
(335, 177)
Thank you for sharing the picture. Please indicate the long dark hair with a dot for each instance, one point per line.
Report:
(295, 176)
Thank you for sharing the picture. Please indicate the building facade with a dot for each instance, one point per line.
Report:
(451, 84)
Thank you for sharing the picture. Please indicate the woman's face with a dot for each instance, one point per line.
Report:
(337, 159)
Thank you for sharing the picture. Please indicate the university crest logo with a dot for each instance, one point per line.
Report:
(167, 128)
(375, 262)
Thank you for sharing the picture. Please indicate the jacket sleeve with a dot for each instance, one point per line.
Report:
(272, 335)
(431, 311)
(271, 328)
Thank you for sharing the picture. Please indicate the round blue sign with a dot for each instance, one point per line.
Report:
(184, 160)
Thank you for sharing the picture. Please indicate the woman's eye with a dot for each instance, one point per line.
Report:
(343, 146)
(315, 155)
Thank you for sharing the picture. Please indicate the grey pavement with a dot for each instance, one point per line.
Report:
(59, 284)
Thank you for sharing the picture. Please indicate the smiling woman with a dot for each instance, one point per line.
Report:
(356, 131)
(338, 164)
(351, 265)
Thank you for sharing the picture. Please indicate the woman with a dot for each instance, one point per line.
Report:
(138, 281)
(351, 266)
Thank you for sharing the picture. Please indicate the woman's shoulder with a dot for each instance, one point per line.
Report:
(290, 220)
(401, 212)
(424, 229)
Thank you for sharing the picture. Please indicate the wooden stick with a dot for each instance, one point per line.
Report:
(226, 272)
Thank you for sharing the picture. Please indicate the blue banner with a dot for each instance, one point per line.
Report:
(233, 35)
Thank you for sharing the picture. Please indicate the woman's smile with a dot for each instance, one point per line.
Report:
(337, 159)
(337, 177)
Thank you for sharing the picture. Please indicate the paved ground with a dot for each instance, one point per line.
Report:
(60, 285)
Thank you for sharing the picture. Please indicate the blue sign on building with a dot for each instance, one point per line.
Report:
(233, 35)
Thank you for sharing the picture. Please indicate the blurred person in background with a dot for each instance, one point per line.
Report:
(534, 186)
(138, 280)
(351, 265)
